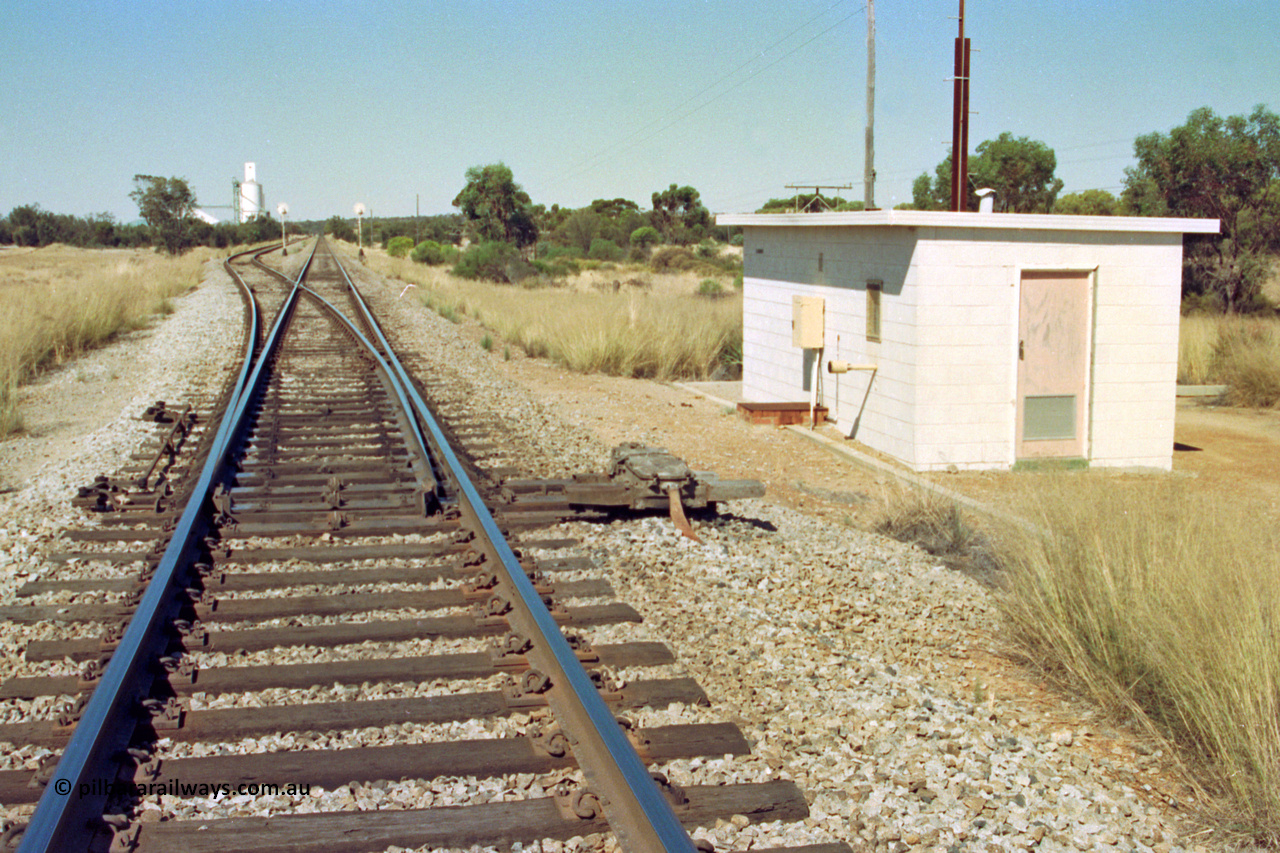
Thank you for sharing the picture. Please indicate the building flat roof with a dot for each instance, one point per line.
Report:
(951, 219)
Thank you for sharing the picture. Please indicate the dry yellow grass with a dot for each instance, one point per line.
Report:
(1165, 608)
(651, 325)
(59, 301)
(1240, 352)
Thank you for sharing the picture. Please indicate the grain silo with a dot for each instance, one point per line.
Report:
(250, 193)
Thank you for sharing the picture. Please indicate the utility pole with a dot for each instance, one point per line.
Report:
(869, 172)
(960, 123)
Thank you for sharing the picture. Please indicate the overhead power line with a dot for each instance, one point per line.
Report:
(622, 145)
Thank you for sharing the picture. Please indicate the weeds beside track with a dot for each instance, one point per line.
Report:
(657, 328)
(1163, 608)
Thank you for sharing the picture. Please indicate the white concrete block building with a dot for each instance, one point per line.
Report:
(996, 338)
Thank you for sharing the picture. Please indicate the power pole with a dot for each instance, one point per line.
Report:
(869, 172)
(960, 123)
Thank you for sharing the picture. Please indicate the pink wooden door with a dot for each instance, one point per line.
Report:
(1053, 364)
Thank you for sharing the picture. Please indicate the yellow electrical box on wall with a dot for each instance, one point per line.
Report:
(807, 322)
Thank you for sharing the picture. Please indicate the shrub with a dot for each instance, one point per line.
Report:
(737, 280)
(933, 523)
(603, 249)
(559, 267)
(552, 251)
(711, 288)
(493, 261)
(645, 237)
(708, 249)
(433, 253)
(673, 259)
(398, 247)
(735, 240)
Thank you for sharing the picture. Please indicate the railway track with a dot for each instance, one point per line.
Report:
(316, 558)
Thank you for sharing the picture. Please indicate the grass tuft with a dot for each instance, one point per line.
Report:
(1165, 608)
(932, 522)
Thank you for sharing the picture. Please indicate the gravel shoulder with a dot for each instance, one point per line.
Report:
(858, 666)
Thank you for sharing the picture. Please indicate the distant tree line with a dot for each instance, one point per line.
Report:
(1210, 167)
(166, 207)
(29, 225)
(508, 237)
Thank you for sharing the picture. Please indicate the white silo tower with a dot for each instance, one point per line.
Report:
(250, 193)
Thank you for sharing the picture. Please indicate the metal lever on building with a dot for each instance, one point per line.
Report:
(834, 366)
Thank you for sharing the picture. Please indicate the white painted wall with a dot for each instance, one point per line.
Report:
(780, 264)
(946, 386)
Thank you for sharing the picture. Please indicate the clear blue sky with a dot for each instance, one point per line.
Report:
(339, 102)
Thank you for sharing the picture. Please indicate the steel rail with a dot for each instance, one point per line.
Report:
(64, 814)
(398, 387)
(639, 813)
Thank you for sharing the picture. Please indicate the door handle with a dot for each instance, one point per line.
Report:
(1022, 352)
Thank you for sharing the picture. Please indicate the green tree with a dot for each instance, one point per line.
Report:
(260, 229)
(166, 204)
(1087, 203)
(496, 207)
(1020, 170)
(604, 249)
(614, 208)
(340, 228)
(618, 218)
(580, 228)
(1222, 168)
(645, 237)
(679, 215)
(935, 193)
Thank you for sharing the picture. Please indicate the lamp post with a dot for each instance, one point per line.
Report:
(359, 211)
(283, 210)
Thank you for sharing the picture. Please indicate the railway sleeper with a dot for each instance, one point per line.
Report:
(537, 753)
(230, 724)
(487, 824)
(204, 606)
(338, 634)
(320, 552)
(237, 581)
(236, 679)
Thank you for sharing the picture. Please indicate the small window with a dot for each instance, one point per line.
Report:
(874, 287)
